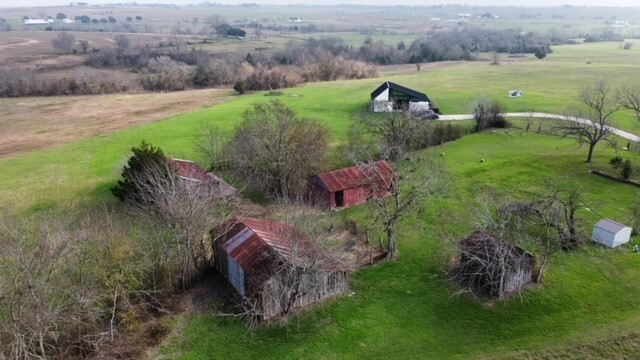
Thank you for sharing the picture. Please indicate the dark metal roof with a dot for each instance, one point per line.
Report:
(610, 226)
(393, 86)
(379, 172)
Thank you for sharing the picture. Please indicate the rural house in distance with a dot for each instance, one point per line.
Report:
(494, 268)
(390, 97)
(351, 186)
(274, 266)
(190, 171)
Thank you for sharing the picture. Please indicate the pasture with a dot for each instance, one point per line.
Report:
(42, 176)
(401, 309)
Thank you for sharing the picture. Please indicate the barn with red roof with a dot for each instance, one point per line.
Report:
(352, 186)
(250, 254)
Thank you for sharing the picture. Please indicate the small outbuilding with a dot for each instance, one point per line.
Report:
(190, 171)
(352, 186)
(272, 266)
(611, 233)
(390, 97)
(492, 267)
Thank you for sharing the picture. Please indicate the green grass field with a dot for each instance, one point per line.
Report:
(406, 308)
(87, 168)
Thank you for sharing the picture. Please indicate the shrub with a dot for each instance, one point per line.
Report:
(626, 170)
(616, 162)
(165, 74)
(489, 114)
(625, 166)
(264, 78)
(239, 87)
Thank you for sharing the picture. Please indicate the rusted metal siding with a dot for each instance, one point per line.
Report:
(380, 173)
(358, 183)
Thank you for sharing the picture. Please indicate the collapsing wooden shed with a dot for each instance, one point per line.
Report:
(492, 267)
(272, 266)
(611, 233)
(351, 186)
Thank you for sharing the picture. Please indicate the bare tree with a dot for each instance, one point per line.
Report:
(64, 42)
(388, 136)
(84, 45)
(555, 210)
(33, 311)
(629, 98)
(395, 131)
(212, 144)
(188, 207)
(591, 124)
(276, 151)
(122, 46)
(515, 223)
(404, 198)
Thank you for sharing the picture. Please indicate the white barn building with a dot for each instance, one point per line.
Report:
(391, 96)
(610, 233)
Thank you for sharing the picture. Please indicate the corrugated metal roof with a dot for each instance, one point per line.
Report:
(393, 86)
(610, 226)
(250, 240)
(189, 170)
(379, 172)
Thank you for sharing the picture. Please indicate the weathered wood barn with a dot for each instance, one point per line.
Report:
(190, 171)
(611, 233)
(274, 267)
(351, 186)
(390, 97)
(494, 268)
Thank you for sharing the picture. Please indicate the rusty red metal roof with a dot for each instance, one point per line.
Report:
(248, 241)
(189, 170)
(379, 172)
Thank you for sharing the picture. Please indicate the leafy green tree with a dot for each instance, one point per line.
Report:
(146, 159)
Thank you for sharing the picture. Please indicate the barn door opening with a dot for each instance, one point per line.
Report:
(340, 198)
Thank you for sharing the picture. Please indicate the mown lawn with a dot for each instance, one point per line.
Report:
(407, 308)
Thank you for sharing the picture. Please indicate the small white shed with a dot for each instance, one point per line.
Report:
(610, 233)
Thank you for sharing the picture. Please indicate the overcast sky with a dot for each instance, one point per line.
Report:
(22, 3)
